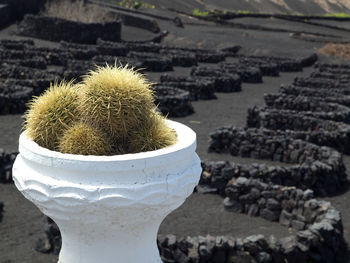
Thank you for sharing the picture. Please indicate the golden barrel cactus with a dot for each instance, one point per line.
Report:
(82, 138)
(50, 114)
(116, 99)
(153, 135)
(110, 112)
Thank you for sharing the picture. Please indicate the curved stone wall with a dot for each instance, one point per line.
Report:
(342, 97)
(173, 102)
(1, 210)
(248, 73)
(317, 168)
(57, 29)
(223, 81)
(306, 125)
(283, 64)
(323, 83)
(199, 89)
(320, 107)
(6, 162)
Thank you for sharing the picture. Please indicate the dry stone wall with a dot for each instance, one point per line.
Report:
(341, 96)
(57, 29)
(6, 162)
(303, 126)
(317, 106)
(173, 101)
(1, 210)
(315, 167)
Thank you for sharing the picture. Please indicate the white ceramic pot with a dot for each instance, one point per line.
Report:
(109, 208)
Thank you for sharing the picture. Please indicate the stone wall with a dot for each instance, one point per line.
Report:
(333, 68)
(307, 91)
(313, 109)
(210, 56)
(303, 125)
(1, 210)
(223, 81)
(341, 97)
(319, 107)
(6, 162)
(248, 73)
(317, 168)
(199, 89)
(173, 102)
(13, 101)
(345, 77)
(57, 29)
(181, 58)
(323, 83)
(153, 61)
(282, 64)
(269, 69)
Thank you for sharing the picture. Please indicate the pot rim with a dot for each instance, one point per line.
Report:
(183, 148)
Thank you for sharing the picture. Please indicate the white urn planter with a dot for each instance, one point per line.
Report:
(109, 208)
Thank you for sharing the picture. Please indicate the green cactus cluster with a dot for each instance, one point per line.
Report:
(82, 138)
(152, 135)
(52, 113)
(110, 112)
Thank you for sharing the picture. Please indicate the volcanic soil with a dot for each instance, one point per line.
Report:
(201, 214)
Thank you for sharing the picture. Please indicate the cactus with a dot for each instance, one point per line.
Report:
(51, 114)
(116, 100)
(154, 135)
(83, 139)
(111, 111)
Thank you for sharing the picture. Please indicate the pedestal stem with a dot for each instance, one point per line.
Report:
(109, 244)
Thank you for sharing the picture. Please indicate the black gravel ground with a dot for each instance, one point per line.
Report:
(201, 214)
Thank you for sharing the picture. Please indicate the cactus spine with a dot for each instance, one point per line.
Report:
(154, 135)
(51, 114)
(111, 111)
(116, 100)
(81, 138)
